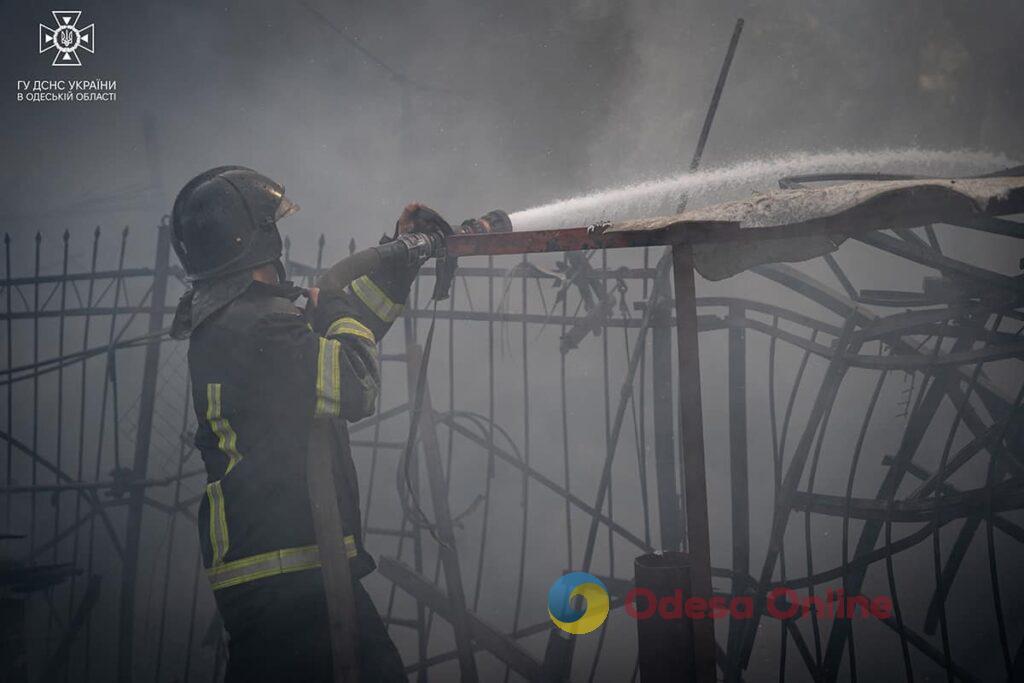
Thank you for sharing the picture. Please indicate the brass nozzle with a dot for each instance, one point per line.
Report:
(492, 221)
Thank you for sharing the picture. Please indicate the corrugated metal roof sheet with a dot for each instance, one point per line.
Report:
(807, 222)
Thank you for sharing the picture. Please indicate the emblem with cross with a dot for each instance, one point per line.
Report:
(66, 38)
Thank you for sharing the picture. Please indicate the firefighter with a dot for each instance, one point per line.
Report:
(262, 370)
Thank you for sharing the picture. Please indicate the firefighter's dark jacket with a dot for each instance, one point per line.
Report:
(262, 370)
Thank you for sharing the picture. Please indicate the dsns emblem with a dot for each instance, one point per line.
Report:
(66, 38)
(560, 599)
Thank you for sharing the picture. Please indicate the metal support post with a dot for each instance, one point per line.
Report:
(694, 482)
(738, 475)
(664, 425)
(665, 649)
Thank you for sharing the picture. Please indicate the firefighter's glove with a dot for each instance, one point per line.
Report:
(422, 232)
(423, 219)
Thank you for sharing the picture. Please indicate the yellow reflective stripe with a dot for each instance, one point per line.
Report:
(350, 326)
(375, 299)
(219, 540)
(328, 379)
(271, 564)
(227, 439)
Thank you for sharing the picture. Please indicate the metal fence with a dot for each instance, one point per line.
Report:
(547, 443)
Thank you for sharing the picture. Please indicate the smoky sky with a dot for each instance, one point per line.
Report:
(476, 105)
(360, 108)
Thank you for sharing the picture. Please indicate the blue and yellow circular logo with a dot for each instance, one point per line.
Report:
(560, 599)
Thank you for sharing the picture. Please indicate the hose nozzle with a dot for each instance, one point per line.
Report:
(492, 221)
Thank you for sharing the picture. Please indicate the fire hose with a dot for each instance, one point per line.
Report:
(413, 249)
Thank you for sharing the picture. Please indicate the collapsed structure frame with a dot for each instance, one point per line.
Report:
(966, 306)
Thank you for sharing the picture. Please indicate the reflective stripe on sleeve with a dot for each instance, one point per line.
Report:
(227, 439)
(219, 540)
(375, 299)
(350, 326)
(328, 379)
(272, 563)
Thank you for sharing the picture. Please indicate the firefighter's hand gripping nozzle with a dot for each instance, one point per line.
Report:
(421, 247)
(420, 235)
(492, 221)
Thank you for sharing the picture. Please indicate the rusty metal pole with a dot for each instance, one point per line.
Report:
(740, 491)
(147, 404)
(694, 484)
(664, 423)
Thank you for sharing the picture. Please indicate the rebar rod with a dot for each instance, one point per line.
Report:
(716, 97)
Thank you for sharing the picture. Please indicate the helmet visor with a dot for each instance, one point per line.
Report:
(285, 208)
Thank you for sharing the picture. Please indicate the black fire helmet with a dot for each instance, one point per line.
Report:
(224, 221)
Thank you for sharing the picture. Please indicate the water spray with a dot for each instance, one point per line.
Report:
(659, 196)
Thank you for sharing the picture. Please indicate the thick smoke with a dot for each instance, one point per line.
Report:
(359, 108)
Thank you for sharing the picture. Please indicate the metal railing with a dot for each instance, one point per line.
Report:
(101, 481)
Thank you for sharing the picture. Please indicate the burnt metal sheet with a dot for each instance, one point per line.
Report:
(798, 224)
(925, 200)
